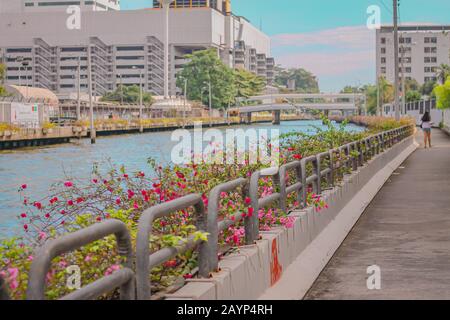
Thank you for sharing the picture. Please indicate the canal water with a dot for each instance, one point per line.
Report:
(40, 167)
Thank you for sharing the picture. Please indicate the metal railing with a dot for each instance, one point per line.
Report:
(312, 172)
(123, 278)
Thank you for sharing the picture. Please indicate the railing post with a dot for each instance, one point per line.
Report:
(252, 227)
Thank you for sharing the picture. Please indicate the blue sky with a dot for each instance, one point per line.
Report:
(327, 37)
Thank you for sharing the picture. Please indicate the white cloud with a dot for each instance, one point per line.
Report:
(335, 55)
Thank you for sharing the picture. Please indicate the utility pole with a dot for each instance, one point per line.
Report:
(396, 64)
(210, 104)
(379, 110)
(402, 49)
(91, 105)
(79, 89)
(185, 102)
(141, 127)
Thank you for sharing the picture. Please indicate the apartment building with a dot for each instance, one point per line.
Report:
(422, 49)
(125, 47)
(57, 5)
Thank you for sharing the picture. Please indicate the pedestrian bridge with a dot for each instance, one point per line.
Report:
(276, 103)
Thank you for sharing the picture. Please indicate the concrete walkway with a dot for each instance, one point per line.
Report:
(405, 231)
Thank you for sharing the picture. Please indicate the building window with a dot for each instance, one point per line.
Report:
(383, 40)
(383, 50)
(430, 50)
(383, 60)
(430, 40)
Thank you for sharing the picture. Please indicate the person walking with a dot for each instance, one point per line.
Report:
(426, 127)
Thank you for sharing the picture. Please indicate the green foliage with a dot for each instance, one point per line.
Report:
(127, 94)
(443, 72)
(442, 93)
(2, 78)
(413, 96)
(248, 84)
(427, 88)
(305, 81)
(204, 68)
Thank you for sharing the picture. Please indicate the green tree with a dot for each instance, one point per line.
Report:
(427, 88)
(2, 79)
(443, 72)
(248, 84)
(127, 94)
(413, 95)
(443, 95)
(204, 68)
(305, 81)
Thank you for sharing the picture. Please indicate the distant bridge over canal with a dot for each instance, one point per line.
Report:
(301, 102)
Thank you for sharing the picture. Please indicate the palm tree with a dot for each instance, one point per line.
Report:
(443, 72)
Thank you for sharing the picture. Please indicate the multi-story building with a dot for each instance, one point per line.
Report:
(421, 50)
(125, 46)
(57, 5)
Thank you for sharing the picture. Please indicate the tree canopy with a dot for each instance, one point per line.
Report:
(443, 95)
(305, 81)
(204, 68)
(127, 94)
(2, 79)
(248, 84)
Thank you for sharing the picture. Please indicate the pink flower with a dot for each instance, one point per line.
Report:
(42, 235)
(135, 205)
(38, 205)
(68, 184)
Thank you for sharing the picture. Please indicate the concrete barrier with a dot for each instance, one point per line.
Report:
(285, 262)
(446, 121)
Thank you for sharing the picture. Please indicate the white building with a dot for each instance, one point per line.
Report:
(424, 49)
(125, 45)
(57, 5)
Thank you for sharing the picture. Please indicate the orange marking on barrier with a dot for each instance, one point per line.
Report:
(276, 269)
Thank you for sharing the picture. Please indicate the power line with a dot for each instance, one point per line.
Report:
(385, 6)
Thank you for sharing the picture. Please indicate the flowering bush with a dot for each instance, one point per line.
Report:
(75, 204)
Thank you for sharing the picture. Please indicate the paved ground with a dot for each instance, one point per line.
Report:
(405, 231)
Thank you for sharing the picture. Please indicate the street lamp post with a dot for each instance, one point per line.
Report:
(79, 89)
(141, 128)
(91, 105)
(185, 101)
(166, 6)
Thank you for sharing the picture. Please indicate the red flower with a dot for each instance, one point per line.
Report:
(187, 276)
(23, 215)
(80, 200)
(141, 174)
(38, 205)
(118, 201)
(99, 219)
(24, 186)
(94, 181)
(248, 200)
(70, 203)
(297, 156)
(291, 149)
(170, 264)
(250, 211)
(130, 194)
(125, 176)
(68, 184)
(47, 215)
(25, 226)
(63, 212)
(180, 175)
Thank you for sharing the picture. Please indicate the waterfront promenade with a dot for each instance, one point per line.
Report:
(405, 231)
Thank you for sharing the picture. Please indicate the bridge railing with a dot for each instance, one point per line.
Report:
(315, 171)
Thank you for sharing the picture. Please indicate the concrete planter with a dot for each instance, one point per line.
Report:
(298, 254)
